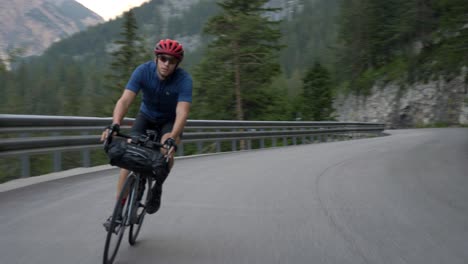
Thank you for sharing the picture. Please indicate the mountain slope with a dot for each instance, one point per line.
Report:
(42, 84)
(33, 25)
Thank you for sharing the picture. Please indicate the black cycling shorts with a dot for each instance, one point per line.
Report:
(142, 123)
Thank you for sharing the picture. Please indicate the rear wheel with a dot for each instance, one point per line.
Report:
(118, 221)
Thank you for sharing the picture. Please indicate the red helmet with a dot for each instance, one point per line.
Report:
(170, 47)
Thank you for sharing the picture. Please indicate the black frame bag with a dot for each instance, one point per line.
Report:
(137, 158)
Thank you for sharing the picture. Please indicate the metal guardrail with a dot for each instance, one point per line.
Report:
(25, 135)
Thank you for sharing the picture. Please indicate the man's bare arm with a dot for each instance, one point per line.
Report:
(122, 106)
(182, 112)
(120, 109)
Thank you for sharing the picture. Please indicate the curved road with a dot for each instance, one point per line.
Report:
(396, 199)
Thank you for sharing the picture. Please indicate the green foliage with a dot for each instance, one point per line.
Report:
(9, 168)
(434, 125)
(69, 78)
(193, 20)
(129, 54)
(89, 54)
(239, 64)
(310, 33)
(2, 67)
(359, 41)
(317, 96)
(401, 40)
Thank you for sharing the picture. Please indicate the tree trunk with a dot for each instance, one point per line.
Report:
(237, 82)
(237, 88)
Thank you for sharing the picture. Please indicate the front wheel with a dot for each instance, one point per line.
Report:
(118, 221)
(140, 213)
(135, 228)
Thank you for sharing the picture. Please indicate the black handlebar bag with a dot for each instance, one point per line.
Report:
(137, 158)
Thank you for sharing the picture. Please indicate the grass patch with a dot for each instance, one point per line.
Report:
(440, 125)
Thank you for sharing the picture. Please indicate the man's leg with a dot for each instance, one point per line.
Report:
(123, 176)
(155, 200)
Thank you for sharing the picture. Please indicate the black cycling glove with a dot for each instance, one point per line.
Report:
(170, 142)
(113, 128)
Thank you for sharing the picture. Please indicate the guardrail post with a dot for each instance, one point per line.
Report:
(303, 138)
(233, 142)
(199, 144)
(25, 161)
(57, 161)
(273, 142)
(25, 166)
(285, 140)
(57, 157)
(86, 158)
(180, 149)
(85, 155)
(249, 144)
(218, 144)
(262, 140)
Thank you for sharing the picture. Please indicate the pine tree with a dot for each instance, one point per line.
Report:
(240, 62)
(310, 33)
(317, 95)
(126, 58)
(354, 37)
(2, 66)
(453, 31)
(416, 20)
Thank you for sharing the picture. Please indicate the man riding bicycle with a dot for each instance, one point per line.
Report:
(167, 97)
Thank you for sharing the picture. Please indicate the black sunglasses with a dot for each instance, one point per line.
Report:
(165, 59)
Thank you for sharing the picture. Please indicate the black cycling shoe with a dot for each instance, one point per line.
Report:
(155, 200)
(107, 224)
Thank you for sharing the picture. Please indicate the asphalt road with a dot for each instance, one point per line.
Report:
(402, 198)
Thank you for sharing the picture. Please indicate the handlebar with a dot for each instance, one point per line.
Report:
(141, 140)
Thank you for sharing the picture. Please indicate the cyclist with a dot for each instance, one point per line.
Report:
(167, 97)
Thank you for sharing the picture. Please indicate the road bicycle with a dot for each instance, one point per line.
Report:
(130, 207)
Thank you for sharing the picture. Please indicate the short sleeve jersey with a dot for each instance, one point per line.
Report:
(160, 97)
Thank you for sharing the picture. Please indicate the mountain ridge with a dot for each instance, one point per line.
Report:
(33, 25)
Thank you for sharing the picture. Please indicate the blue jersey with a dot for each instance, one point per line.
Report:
(160, 97)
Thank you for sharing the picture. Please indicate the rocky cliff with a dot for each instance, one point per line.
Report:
(420, 104)
(33, 25)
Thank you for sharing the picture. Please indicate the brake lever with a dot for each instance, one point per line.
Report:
(108, 139)
(167, 153)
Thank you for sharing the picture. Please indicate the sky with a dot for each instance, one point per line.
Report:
(108, 9)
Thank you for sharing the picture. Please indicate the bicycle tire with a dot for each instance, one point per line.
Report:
(135, 228)
(119, 208)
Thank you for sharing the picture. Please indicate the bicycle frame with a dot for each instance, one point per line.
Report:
(131, 191)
